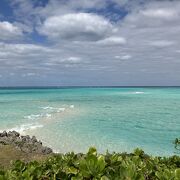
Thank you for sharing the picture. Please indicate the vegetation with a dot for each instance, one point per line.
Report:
(177, 144)
(113, 166)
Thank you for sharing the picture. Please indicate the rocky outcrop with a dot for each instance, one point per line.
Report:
(26, 144)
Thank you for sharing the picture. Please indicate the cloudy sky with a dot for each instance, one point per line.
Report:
(89, 42)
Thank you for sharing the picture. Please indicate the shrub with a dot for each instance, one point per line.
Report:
(111, 166)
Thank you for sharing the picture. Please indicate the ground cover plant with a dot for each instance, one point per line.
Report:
(115, 166)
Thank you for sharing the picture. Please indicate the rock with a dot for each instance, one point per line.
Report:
(12, 139)
(10, 133)
(25, 138)
(18, 140)
(46, 150)
(3, 134)
(16, 134)
(23, 143)
(4, 140)
(40, 142)
(33, 139)
(26, 149)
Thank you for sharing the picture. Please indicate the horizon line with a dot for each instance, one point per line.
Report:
(61, 87)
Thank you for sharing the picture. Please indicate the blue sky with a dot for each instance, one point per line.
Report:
(86, 43)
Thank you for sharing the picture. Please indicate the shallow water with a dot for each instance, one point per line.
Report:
(117, 119)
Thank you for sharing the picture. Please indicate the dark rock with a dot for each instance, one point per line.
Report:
(4, 140)
(40, 142)
(25, 138)
(46, 150)
(9, 134)
(15, 133)
(3, 134)
(23, 143)
(34, 140)
(12, 139)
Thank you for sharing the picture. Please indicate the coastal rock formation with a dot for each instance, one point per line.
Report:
(26, 144)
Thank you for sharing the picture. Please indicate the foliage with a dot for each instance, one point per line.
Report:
(111, 166)
(177, 144)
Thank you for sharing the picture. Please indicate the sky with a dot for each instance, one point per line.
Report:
(89, 42)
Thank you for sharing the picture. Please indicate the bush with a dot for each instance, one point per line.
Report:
(177, 144)
(111, 166)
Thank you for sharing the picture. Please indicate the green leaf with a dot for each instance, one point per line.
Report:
(177, 173)
(104, 178)
(92, 151)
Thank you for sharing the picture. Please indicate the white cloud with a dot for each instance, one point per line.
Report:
(9, 31)
(154, 14)
(29, 74)
(72, 60)
(110, 41)
(149, 34)
(162, 43)
(161, 13)
(77, 26)
(22, 48)
(124, 57)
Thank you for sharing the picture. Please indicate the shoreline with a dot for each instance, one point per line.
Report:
(29, 143)
(40, 164)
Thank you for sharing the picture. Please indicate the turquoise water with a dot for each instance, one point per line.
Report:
(117, 119)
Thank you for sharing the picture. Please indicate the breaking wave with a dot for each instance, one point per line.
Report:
(138, 92)
(25, 127)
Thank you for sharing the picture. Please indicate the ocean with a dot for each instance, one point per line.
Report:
(113, 119)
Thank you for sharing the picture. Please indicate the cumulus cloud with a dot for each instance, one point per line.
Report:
(22, 56)
(86, 47)
(154, 14)
(9, 31)
(77, 26)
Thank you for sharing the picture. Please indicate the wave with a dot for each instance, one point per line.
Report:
(71, 106)
(33, 116)
(138, 92)
(47, 113)
(37, 116)
(25, 127)
(56, 109)
(47, 107)
(53, 109)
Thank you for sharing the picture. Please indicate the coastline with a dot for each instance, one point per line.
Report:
(42, 163)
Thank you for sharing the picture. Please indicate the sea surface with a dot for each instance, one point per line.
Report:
(117, 119)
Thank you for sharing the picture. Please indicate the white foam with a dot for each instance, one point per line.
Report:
(33, 116)
(61, 109)
(138, 92)
(47, 107)
(25, 127)
(53, 109)
(71, 106)
(48, 115)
